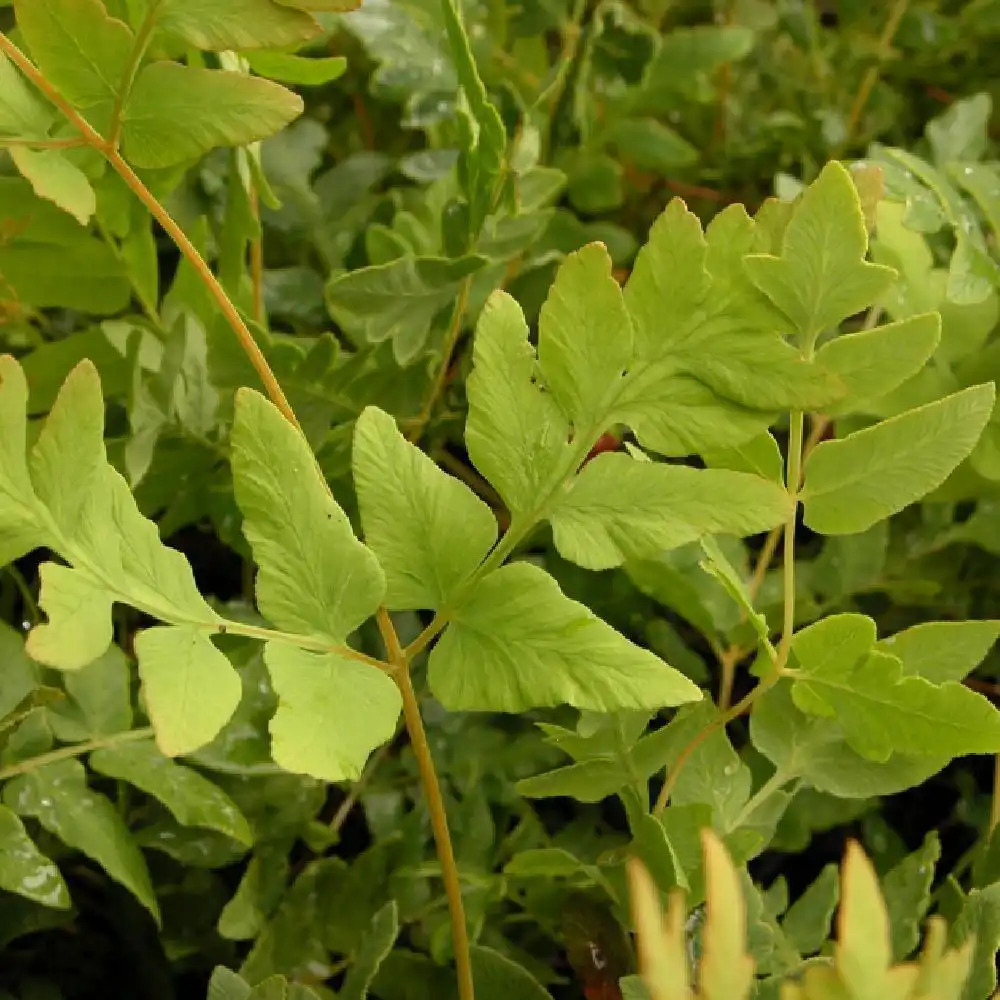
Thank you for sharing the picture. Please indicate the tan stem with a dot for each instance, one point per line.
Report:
(435, 804)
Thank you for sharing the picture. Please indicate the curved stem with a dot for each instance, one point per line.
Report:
(163, 217)
(719, 722)
(435, 804)
(76, 750)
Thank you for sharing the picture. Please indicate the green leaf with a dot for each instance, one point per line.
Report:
(718, 565)
(78, 609)
(980, 920)
(853, 482)
(376, 944)
(585, 336)
(517, 642)
(816, 750)
(300, 70)
(191, 690)
(192, 799)
(177, 113)
(23, 112)
(961, 132)
(619, 509)
(807, 922)
(760, 455)
(217, 25)
(588, 781)
(942, 651)
(710, 366)
(874, 362)
(335, 6)
(880, 709)
(482, 135)
(515, 433)
(500, 978)
(821, 277)
(24, 869)
(54, 177)
(651, 145)
(227, 985)
(332, 712)
(397, 301)
(99, 701)
(428, 530)
(315, 577)
(94, 517)
(79, 48)
(19, 528)
(907, 891)
(57, 795)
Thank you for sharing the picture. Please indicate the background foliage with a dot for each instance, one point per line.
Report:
(361, 243)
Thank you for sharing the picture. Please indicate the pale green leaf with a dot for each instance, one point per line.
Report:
(23, 111)
(176, 113)
(399, 300)
(874, 362)
(726, 970)
(760, 455)
(619, 509)
(428, 529)
(376, 944)
(821, 277)
(68, 459)
(907, 891)
(217, 25)
(78, 609)
(853, 482)
(863, 951)
(332, 712)
(515, 433)
(517, 642)
(816, 750)
(584, 336)
(335, 6)
(20, 530)
(697, 314)
(192, 799)
(54, 177)
(24, 869)
(81, 49)
(942, 651)
(500, 978)
(982, 181)
(94, 516)
(301, 70)
(315, 577)
(58, 796)
(882, 711)
(661, 938)
(190, 688)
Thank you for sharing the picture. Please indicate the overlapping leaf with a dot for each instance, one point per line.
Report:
(516, 642)
(428, 530)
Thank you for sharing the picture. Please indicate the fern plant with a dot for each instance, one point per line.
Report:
(719, 344)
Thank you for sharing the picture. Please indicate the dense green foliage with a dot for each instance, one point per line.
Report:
(478, 476)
